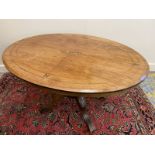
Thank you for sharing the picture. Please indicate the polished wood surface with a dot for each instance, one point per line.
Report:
(76, 63)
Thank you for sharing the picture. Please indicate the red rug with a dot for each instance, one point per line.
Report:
(128, 114)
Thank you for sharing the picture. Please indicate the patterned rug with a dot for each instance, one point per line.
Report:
(148, 87)
(127, 114)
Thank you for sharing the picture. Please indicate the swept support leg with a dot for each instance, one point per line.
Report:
(86, 118)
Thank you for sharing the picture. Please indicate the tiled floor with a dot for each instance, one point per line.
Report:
(148, 86)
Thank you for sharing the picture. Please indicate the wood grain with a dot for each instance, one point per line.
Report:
(76, 63)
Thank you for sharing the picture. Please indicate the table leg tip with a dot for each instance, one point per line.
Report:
(89, 122)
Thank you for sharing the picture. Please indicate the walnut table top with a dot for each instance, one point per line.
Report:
(76, 63)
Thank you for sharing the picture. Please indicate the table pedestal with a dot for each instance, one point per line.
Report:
(82, 103)
(86, 118)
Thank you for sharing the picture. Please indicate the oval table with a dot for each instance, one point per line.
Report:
(76, 65)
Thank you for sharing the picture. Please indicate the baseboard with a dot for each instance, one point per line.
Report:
(152, 66)
(3, 69)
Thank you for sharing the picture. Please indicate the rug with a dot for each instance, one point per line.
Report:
(127, 114)
(148, 86)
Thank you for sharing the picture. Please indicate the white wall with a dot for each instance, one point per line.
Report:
(138, 34)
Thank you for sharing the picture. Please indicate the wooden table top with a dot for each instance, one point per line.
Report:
(76, 63)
